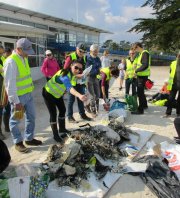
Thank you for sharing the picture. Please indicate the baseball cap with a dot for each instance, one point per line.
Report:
(26, 46)
(82, 46)
(48, 52)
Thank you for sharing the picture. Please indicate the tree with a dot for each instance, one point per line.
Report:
(112, 45)
(163, 31)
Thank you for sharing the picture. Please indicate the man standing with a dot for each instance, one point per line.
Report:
(173, 87)
(4, 111)
(130, 66)
(80, 84)
(19, 86)
(142, 71)
(92, 81)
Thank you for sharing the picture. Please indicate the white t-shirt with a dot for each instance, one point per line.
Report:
(121, 68)
(105, 62)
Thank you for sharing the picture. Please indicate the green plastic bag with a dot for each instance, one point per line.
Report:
(131, 101)
(4, 191)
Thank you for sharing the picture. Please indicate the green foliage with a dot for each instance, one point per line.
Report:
(163, 31)
(111, 45)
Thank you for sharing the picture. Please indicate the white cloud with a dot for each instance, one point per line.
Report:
(96, 13)
(89, 17)
(109, 18)
(137, 12)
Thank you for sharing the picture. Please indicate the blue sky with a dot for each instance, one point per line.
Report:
(113, 15)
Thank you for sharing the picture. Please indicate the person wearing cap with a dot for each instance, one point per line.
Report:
(173, 87)
(19, 87)
(79, 85)
(4, 111)
(50, 65)
(92, 80)
(142, 72)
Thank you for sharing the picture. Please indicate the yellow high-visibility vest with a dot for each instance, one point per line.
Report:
(24, 81)
(130, 67)
(1, 65)
(105, 70)
(139, 64)
(172, 74)
(56, 89)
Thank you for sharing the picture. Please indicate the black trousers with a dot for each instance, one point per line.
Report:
(106, 89)
(171, 100)
(53, 104)
(177, 125)
(160, 96)
(131, 82)
(141, 80)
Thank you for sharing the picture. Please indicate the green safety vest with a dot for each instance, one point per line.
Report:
(24, 81)
(130, 67)
(105, 70)
(56, 89)
(172, 74)
(74, 57)
(139, 64)
(1, 66)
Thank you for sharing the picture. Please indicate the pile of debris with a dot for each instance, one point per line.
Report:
(84, 151)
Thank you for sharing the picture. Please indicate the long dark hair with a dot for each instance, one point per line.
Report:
(114, 71)
(64, 72)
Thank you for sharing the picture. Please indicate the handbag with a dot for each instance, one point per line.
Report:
(3, 93)
(131, 101)
(149, 84)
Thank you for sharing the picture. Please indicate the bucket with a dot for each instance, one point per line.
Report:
(149, 84)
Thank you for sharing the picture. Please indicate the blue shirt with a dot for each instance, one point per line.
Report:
(64, 80)
(96, 65)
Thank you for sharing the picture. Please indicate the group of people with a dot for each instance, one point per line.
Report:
(71, 79)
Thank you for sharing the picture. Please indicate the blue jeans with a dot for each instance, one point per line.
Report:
(28, 103)
(71, 98)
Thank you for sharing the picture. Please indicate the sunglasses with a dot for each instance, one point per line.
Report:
(77, 68)
(81, 51)
(49, 55)
(132, 53)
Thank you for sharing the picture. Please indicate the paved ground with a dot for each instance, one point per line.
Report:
(127, 186)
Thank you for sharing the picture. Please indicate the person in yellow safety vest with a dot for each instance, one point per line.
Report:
(19, 87)
(105, 77)
(172, 87)
(4, 111)
(2, 137)
(130, 76)
(143, 72)
(1, 59)
(79, 54)
(53, 91)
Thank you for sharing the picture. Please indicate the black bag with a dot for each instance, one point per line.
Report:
(5, 157)
(159, 178)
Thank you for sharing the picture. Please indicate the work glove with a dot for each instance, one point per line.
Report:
(18, 113)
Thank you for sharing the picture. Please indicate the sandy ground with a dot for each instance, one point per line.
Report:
(127, 186)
